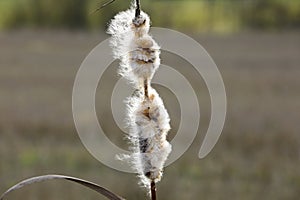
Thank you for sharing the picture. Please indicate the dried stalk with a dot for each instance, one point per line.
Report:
(101, 190)
(138, 8)
(153, 190)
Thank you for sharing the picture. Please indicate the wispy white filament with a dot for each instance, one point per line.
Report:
(148, 119)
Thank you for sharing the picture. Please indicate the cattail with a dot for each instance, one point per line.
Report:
(149, 125)
(133, 46)
(148, 119)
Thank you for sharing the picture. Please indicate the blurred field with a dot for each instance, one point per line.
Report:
(257, 157)
(220, 16)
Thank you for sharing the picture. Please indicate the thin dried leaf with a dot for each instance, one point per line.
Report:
(85, 183)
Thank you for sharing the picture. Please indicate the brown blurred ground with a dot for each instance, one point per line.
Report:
(257, 157)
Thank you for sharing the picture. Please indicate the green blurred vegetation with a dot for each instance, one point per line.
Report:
(199, 16)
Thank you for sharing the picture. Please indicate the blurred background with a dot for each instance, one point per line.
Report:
(255, 44)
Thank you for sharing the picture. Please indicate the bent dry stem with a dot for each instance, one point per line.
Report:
(101, 190)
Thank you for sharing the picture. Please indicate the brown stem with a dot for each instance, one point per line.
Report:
(153, 191)
(146, 88)
(138, 8)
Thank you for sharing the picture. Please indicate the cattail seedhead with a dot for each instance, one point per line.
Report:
(148, 120)
(149, 124)
(137, 51)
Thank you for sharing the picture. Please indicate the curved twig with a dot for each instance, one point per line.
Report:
(108, 194)
(102, 6)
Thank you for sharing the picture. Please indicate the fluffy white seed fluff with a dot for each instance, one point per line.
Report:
(148, 119)
(133, 46)
(149, 124)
